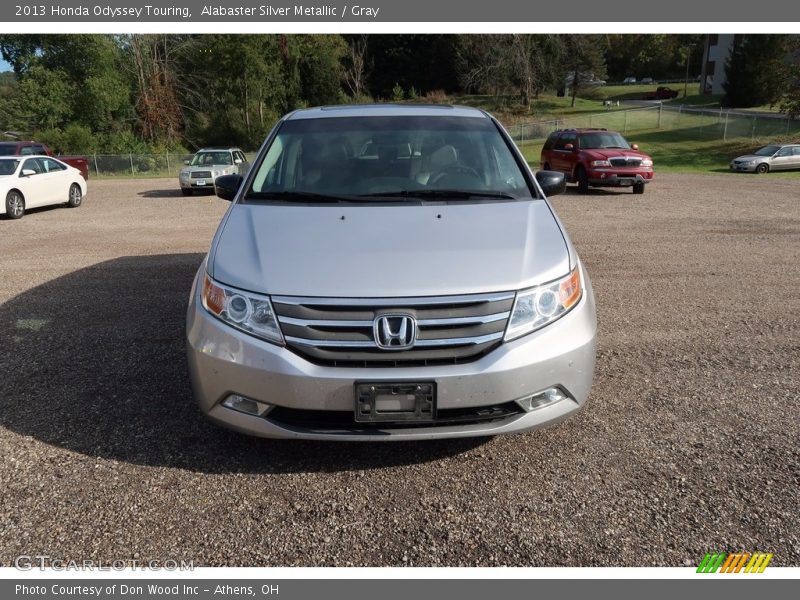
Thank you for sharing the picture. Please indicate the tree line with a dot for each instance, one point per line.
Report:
(157, 93)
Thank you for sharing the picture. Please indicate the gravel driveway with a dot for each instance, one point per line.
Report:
(689, 442)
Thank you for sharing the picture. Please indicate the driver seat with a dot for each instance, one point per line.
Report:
(439, 160)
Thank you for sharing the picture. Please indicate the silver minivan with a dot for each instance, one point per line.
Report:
(390, 272)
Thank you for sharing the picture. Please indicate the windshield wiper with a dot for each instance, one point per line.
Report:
(423, 194)
(300, 197)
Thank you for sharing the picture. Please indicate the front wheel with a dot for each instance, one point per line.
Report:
(15, 205)
(75, 196)
(762, 168)
(638, 188)
(583, 181)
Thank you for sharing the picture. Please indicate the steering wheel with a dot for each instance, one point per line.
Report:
(457, 169)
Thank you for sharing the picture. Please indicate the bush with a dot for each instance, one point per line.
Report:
(398, 94)
(436, 97)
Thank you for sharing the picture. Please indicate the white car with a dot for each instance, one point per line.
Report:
(31, 181)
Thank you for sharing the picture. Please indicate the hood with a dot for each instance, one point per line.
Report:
(748, 157)
(389, 250)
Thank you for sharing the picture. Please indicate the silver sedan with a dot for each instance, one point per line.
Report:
(769, 158)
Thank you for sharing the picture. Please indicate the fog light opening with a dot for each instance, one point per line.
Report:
(546, 398)
(246, 405)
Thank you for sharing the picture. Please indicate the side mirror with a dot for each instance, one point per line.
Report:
(569, 147)
(635, 146)
(187, 162)
(551, 182)
(27, 172)
(238, 161)
(226, 186)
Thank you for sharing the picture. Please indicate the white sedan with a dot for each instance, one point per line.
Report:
(31, 181)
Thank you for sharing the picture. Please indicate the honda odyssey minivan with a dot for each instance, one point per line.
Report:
(390, 272)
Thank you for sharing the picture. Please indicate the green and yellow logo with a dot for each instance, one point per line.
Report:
(734, 563)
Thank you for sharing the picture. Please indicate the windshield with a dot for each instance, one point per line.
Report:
(8, 167)
(211, 158)
(393, 156)
(603, 139)
(767, 150)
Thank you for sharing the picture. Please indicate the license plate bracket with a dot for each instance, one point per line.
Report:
(387, 402)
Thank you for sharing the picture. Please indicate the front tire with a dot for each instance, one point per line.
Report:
(762, 168)
(15, 205)
(75, 196)
(638, 188)
(583, 180)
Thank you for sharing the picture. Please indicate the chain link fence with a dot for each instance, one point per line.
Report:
(688, 122)
(136, 165)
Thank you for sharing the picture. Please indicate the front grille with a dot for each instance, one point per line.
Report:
(322, 420)
(201, 174)
(625, 162)
(339, 332)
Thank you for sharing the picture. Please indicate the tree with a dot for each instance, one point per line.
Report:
(45, 98)
(582, 59)
(355, 75)
(321, 69)
(158, 112)
(755, 70)
(789, 100)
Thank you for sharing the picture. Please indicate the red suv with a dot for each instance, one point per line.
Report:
(597, 158)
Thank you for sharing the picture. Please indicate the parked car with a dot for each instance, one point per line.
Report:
(646, 80)
(390, 272)
(208, 164)
(31, 181)
(629, 80)
(597, 158)
(661, 93)
(27, 148)
(775, 157)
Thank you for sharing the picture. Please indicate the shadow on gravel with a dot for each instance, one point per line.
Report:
(172, 193)
(94, 362)
(572, 190)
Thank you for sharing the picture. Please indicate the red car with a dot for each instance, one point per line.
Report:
(597, 158)
(26, 148)
(661, 93)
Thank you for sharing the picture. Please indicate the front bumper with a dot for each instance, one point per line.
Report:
(602, 178)
(191, 184)
(743, 168)
(223, 361)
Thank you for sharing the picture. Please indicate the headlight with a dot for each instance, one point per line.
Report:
(184, 175)
(251, 313)
(536, 307)
(647, 162)
(600, 163)
(215, 173)
(749, 162)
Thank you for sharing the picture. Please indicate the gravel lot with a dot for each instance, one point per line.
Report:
(688, 444)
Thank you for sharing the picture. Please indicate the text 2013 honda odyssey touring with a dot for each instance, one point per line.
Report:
(390, 273)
